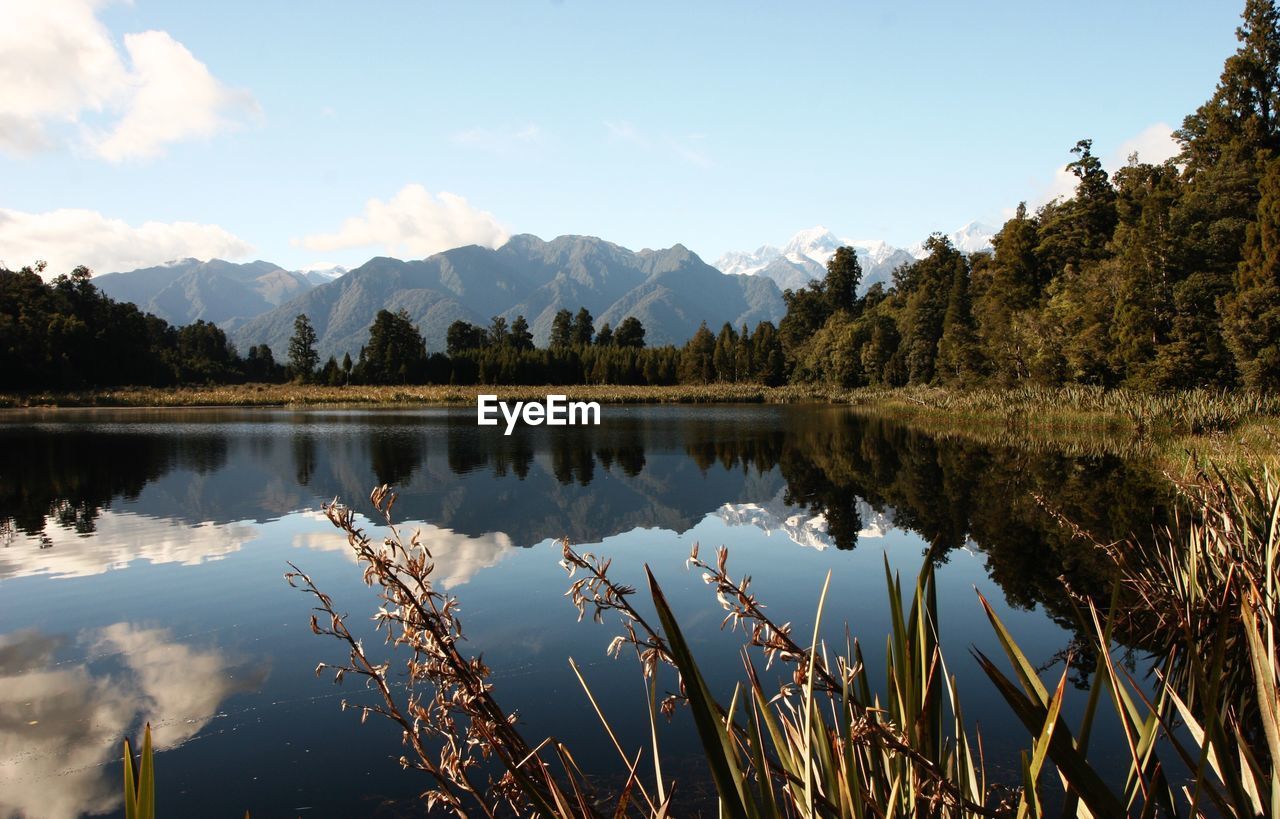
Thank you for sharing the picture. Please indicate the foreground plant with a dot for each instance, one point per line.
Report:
(821, 742)
(140, 782)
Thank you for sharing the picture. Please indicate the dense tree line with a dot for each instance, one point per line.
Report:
(1155, 277)
(577, 353)
(65, 334)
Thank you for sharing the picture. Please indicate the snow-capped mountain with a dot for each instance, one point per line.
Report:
(805, 256)
(972, 238)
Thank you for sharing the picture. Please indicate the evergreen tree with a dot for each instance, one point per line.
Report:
(1251, 313)
(582, 330)
(303, 357)
(926, 286)
(395, 353)
(463, 336)
(561, 330)
(743, 366)
(723, 355)
(766, 352)
(959, 358)
(346, 368)
(521, 338)
(844, 274)
(604, 338)
(630, 333)
(697, 359)
(499, 332)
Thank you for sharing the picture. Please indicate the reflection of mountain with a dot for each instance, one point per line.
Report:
(801, 526)
(60, 723)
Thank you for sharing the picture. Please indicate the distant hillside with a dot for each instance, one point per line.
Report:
(224, 293)
(671, 291)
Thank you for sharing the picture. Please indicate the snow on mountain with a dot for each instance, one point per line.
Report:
(972, 238)
(804, 257)
(746, 263)
(321, 273)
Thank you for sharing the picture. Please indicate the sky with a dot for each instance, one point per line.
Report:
(312, 134)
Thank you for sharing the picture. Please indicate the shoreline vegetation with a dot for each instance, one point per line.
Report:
(1200, 604)
(1182, 431)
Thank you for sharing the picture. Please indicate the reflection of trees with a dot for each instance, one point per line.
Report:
(395, 454)
(304, 457)
(950, 490)
(70, 475)
(60, 723)
(661, 468)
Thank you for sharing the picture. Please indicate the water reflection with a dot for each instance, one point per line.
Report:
(61, 722)
(194, 484)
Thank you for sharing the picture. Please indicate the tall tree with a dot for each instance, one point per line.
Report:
(844, 274)
(959, 358)
(499, 332)
(303, 357)
(697, 359)
(723, 356)
(1251, 312)
(604, 338)
(582, 331)
(561, 330)
(521, 338)
(395, 353)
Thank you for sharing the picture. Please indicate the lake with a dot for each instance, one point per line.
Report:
(141, 576)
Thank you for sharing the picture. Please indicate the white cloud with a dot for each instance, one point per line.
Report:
(59, 66)
(174, 98)
(413, 222)
(1153, 146)
(69, 237)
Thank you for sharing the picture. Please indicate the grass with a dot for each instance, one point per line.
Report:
(830, 742)
(270, 395)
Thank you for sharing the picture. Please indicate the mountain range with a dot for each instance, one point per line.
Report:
(224, 293)
(804, 257)
(670, 291)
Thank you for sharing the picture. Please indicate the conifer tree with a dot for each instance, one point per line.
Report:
(582, 330)
(1251, 313)
(521, 338)
(630, 333)
(303, 357)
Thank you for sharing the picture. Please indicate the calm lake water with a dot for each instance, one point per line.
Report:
(143, 552)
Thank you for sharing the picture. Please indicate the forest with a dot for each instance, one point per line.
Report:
(1154, 277)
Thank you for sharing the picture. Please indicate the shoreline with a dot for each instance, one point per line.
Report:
(1184, 431)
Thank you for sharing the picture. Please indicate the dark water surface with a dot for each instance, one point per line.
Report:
(142, 553)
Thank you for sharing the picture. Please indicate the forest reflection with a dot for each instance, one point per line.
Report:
(663, 468)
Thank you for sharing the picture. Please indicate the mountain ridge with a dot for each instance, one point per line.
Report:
(671, 291)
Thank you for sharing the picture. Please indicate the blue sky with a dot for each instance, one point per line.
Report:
(140, 131)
